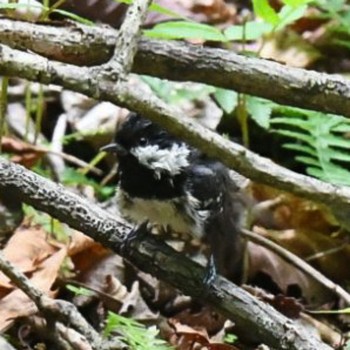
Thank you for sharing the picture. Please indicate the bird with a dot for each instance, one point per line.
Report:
(164, 181)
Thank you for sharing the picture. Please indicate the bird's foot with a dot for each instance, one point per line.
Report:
(210, 273)
(136, 234)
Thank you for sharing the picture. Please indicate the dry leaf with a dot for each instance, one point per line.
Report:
(289, 48)
(216, 11)
(26, 249)
(285, 276)
(187, 338)
(17, 304)
(24, 153)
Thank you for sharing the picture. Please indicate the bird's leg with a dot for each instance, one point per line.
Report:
(207, 280)
(210, 272)
(136, 234)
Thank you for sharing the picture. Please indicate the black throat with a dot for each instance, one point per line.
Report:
(140, 181)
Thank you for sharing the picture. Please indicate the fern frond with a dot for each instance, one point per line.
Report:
(319, 142)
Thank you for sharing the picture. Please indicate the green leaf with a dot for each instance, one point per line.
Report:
(301, 148)
(338, 176)
(50, 225)
(296, 135)
(75, 17)
(230, 338)
(260, 111)
(344, 17)
(336, 155)
(185, 30)
(249, 31)
(337, 141)
(316, 172)
(127, 2)
(300, 123)
(308, 161)
(332, 173)
(343, 127)
(162, 88)
(79, 290)
(227, 99)
(263, 9)
(289, 14)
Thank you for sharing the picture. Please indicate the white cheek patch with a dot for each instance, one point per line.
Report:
(171, 160)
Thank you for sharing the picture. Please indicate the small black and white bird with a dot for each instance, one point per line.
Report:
(166, 182)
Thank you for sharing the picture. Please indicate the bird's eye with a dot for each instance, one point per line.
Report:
(143, 141)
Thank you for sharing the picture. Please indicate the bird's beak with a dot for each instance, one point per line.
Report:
(115, 148)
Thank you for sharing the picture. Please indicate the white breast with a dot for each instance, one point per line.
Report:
(164, 213)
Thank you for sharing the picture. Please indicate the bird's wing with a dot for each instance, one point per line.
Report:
(217, 194)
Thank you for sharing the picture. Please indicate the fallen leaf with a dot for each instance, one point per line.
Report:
(26, 249)
(17, 304)
(24, 153)
(288, 47)
(288, 279)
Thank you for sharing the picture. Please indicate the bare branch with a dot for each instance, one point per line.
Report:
(83, 45)
(126, 45)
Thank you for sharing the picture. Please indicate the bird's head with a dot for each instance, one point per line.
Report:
(151, 146)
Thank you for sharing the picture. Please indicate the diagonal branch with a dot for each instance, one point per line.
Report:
(155, 257)
(86, 46)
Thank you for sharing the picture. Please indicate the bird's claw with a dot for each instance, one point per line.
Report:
(135, 234)
(210, 273)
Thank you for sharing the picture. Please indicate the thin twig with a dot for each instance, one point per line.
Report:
(327, 252)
